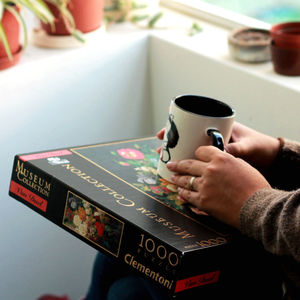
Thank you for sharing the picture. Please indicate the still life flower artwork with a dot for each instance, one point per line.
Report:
(92, 223)
(142, 160)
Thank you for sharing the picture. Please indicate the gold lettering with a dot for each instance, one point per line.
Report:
(159, 220)
(92, 181)
(152, 274)
(175, 228)
(120, 199)
(151, 215)
(167, 224)
(19, 168)
(32, 180)
(129, 259)
(127, 202)
(211, 242)
(141, 268)
(47, 186)
(184, 234)
(143, 210)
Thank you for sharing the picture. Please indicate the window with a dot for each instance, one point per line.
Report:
(254, 13)
(270, 11)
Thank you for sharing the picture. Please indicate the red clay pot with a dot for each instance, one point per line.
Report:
(6, 63)
(286, 35)
(87, 14)
(286, 61)
(12, 29)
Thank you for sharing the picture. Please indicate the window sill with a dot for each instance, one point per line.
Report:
(204, 66)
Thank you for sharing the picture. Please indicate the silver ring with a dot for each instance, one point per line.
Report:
(191, 183)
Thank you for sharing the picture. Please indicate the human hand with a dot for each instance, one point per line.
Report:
(222, 185)
(256, 148)
(160, 136)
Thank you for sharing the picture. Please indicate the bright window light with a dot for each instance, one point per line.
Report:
(259, 13)
(269, 11)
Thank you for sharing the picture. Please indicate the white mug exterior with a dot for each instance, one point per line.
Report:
(192, 133)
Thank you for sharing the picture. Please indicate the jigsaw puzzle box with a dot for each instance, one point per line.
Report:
(109, 196)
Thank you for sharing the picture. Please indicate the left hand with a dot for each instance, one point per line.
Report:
(160, 136)
(222, 185)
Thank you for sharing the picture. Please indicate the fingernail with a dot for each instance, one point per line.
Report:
(181, 199)
(171, 165)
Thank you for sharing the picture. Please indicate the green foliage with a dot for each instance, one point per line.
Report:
(130, 10)
(38, 8)
(195, 29)
(67, 17)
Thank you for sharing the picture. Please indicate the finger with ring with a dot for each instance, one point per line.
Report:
(191, 187)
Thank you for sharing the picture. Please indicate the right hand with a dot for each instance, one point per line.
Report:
(256, 148)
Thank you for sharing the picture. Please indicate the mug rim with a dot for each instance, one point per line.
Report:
(206, 98)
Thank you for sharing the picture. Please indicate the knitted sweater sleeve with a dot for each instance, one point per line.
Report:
(272, 216)
(284, 172)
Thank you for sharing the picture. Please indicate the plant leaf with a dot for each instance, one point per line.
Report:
(4, 40)
(195, 29)
(20, 19)
(138, 18)
(78, 35)
(1, 10)
(39, 8)
(154, 19)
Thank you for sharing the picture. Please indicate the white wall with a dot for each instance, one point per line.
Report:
(117, 89)
(258, 99)
(69, 98)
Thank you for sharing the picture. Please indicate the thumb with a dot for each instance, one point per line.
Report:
(234, 149)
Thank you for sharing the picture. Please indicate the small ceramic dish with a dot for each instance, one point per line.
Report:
(250, 45)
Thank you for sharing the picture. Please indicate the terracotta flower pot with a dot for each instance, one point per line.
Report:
(12, 30)
(286, 35)
(286, 61)
(87, 14)
(6, 63)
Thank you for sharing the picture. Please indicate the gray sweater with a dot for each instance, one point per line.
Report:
(272, 216)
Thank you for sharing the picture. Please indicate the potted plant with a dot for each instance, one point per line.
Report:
(141, 12)
(72, 17)
(11, 22)
(285, 48)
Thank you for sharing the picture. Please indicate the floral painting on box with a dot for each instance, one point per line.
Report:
(141, 160)
(92, 223)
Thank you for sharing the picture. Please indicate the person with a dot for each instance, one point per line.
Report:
(253, 186)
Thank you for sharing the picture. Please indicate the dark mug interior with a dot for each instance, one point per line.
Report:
(204, 106)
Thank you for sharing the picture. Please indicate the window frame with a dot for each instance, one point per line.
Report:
(214, 14)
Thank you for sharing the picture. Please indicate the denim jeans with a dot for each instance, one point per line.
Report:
(113, 281)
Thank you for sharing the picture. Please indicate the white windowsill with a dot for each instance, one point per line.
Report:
(211, 42)
(209, 47)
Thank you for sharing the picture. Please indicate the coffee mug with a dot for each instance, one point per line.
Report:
(193, 121)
